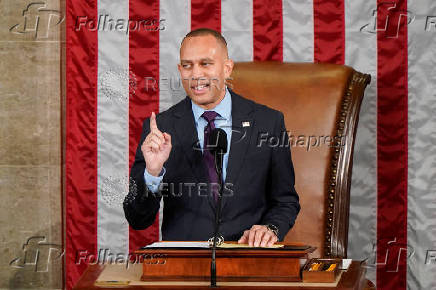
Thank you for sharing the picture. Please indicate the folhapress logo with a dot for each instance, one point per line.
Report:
(388, 19)
(38, 20)
(38, 254)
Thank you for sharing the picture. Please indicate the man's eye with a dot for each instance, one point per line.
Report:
(186, 65)
(206, 63)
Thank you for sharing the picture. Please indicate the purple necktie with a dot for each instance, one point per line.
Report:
(209, 159)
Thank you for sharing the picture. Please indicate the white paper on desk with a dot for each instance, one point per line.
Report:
(345, 264)
(179, 245)
(174, 244)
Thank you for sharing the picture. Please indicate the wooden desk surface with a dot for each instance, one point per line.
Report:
(353, 278)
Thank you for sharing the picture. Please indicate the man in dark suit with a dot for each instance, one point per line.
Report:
(259, 202)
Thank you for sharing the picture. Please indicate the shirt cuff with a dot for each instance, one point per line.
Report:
(153, 182)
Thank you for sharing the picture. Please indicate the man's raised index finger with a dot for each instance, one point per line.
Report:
(153, 124)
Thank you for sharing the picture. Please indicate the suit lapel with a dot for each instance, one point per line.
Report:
(242, 128)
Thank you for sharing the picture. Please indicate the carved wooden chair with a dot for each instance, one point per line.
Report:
(321, 104)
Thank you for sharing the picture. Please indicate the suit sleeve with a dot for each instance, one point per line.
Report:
(282, 198)
(140, 205)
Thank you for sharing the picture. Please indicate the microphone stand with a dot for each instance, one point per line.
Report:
(218, 167)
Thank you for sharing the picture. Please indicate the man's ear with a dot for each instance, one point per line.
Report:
(228, 68)
(179, 67)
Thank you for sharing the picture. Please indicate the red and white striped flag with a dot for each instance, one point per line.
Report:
(121, 66)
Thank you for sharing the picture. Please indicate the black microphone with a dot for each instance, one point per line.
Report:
(217, 146)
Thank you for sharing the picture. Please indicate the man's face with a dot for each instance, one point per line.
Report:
(203, 67)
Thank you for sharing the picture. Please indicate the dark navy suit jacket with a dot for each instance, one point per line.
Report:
(259, 186)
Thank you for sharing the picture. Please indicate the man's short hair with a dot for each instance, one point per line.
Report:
(206, 31)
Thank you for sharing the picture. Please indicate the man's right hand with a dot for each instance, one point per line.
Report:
(156, 148)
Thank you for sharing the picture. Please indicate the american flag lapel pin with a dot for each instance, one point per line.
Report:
(245, 124)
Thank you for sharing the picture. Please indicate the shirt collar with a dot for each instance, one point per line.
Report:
(224, 108)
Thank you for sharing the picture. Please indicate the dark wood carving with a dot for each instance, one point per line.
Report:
(338, 195)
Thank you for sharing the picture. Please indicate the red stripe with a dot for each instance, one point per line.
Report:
(206, 14)
(144, 96)
(267, 30)
(81, 139)
(329, 31)
(392, 149)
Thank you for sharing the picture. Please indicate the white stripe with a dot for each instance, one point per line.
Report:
(421, 201)
(237, 28)
(177, 15)
(112, 128)
(361, 54)
(298, 31)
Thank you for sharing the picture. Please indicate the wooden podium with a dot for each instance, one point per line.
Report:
(233, 264)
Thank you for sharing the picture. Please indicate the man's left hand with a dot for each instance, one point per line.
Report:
(258, 235)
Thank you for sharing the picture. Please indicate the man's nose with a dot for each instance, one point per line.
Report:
(197, 72)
